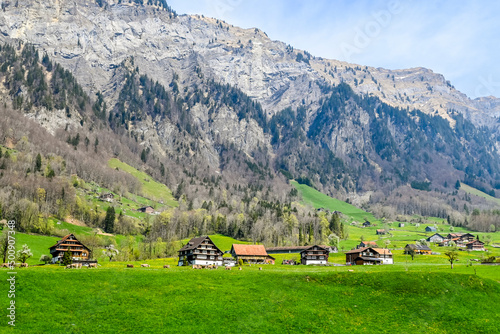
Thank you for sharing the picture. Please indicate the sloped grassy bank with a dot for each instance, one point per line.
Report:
(183, 300)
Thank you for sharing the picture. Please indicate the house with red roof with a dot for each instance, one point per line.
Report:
(251, 254)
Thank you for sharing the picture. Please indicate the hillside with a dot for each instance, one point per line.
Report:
(206, 99)
(321, 201)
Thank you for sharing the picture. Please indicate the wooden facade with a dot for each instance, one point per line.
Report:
(475, 245)
(296, 249)
(200, 251)
(314, 255)
(79, 251)
(251, 254)
(418, 249)
(436, 237)
(369, 255)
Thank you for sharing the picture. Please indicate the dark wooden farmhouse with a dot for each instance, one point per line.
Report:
(314, 255)
(368, 256)
(251, 254)
(200, 251)
(79, 251)
(296, 249)
(475, 245)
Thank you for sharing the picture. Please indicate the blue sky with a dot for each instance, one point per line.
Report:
(459, 39)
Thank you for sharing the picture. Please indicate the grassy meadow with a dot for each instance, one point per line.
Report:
(299, 299)
(150, 188)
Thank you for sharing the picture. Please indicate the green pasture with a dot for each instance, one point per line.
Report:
(278, 299)
(476, 192)
(320, 200)
(150, 188)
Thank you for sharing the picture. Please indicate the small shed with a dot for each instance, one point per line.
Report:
(430, 229)
(381, 232)
(146, 209)
(108, 197)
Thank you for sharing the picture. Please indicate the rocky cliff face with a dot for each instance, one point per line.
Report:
(98, 40)
(92, 40)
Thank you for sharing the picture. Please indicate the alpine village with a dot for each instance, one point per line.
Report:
(169, 173)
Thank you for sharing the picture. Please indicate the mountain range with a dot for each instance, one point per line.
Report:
(201, 96)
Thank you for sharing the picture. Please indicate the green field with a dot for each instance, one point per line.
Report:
(150, 188)
(279, 299)
(474, 191)
(320, 200)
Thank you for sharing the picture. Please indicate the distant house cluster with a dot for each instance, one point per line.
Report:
(203, 251)
(461, 240)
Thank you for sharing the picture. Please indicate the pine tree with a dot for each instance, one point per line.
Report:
(38, 163)
(109, 220)
(67, 258)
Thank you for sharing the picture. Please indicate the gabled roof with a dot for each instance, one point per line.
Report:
(376, 250)
(419, 247)
(475, 242)
(382, 250)
(358, 250)
(256, 250)
(66, 238)
(310, 247)
(373, 243)
(437, 235)
(195, 242)
(297, 248)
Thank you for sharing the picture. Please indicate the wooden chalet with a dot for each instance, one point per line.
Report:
(381, 232)
(418, 249)
(462, 237)
(200, 251)
(436, 237)
(251, 254)
(368, 256)
(475, 245)
(79, 252)
(296, 249)
(314, 255)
